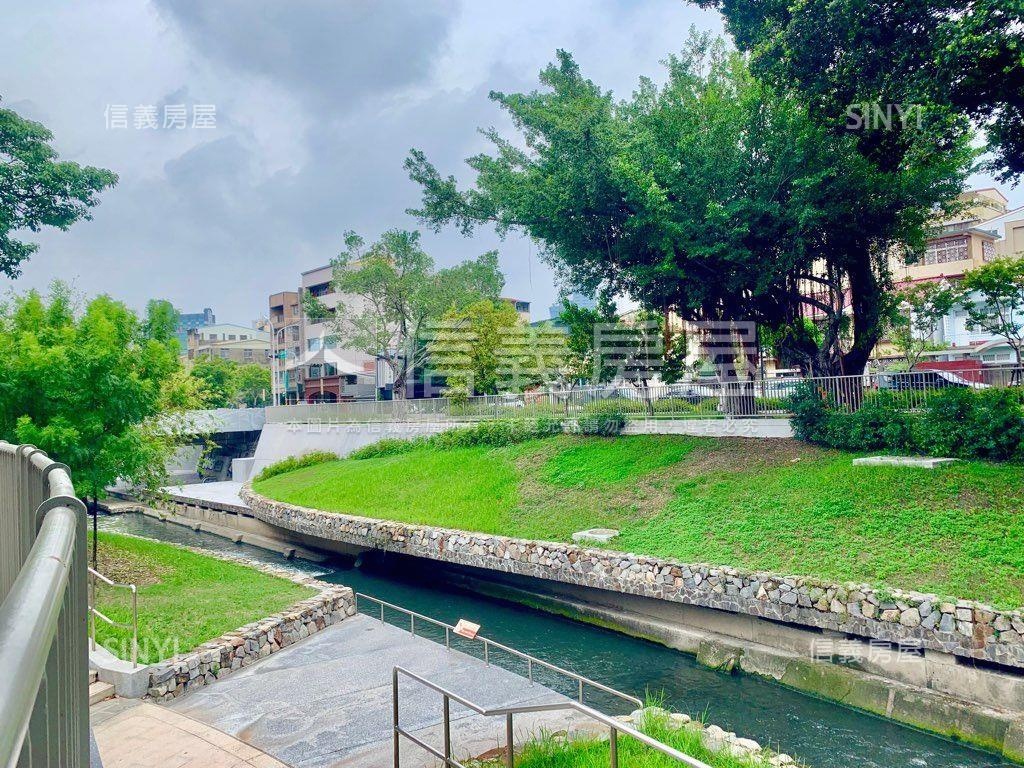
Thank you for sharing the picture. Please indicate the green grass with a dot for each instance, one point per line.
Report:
(184, 598)
(592, 753)
(777, 505)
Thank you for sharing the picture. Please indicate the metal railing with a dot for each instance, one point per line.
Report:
(580, 683)
(44, 697)
(615, 727)
(695, 399)
(95, 613)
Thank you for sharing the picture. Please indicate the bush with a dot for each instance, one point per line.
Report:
(296, 462)
(494, 433)
(967, 423)
(606, 424)
(958, 422)
(811, 413)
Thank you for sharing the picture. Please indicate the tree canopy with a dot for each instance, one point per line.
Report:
(37, 190)
(955, 57)
(715, 197)
(993, 296)
(87, 387)
(396, 291)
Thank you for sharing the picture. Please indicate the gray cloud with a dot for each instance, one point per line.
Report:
(334, 54)
(318, 102)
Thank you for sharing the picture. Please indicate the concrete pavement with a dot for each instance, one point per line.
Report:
(326, 702)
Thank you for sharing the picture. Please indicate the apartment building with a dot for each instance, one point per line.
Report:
(309, 365)
(332, 372)
(285, 320)
(229, 342)
(985, 228)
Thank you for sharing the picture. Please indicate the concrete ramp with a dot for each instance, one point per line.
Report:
(326, 702)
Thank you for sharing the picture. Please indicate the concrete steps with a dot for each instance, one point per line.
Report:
(99, 691)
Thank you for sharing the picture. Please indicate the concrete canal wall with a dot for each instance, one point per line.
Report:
(952, 667)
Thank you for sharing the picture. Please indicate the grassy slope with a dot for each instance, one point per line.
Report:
(184, 597)
(776, 505)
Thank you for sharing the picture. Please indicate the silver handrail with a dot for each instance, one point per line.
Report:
(614, 726)
(488, 644)
(95, 613)
(44, 700)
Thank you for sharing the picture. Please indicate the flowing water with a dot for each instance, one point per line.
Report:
(822, 734)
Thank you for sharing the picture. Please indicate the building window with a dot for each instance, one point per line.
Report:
(946, 251)
(231, 337)
(988, 250)
(320, 289)
(313, 345)
(330, 369)
(247, 355)
(314, 371)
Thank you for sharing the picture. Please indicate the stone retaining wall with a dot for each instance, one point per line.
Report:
(243, 646)
(959, 627)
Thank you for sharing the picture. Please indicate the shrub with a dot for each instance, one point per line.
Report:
(967, 423)
(494, 433)
(958, 422)
(606, 424)
(293, 463)
(811, 414)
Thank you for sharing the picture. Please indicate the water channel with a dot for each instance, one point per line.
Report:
(820, 733)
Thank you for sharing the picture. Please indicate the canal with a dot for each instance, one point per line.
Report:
(820, 733)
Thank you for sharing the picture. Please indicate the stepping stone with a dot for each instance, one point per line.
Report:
(595, 535)
(920, 462)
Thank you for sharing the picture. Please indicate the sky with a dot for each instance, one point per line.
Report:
(315, 105)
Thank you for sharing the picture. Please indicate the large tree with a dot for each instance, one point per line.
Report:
(37, 190)
(394, 292)
(98, 390)
(927, 57)
(715, 198)
(993, 297)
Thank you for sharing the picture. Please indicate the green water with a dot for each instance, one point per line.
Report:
(820, 733)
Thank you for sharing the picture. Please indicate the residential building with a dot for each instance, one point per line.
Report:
(189, 322)
(287, 342)
(309, 363)
(229, 342)
(331, 371)
(982, 230)
(521, 307)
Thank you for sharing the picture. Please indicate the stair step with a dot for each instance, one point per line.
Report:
(99, 691)
(93, 676)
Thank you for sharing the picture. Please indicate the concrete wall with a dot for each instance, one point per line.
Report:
(279, 440)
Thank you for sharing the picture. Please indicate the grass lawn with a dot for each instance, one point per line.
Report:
(586, 753)
(184, 598)
(778, 505)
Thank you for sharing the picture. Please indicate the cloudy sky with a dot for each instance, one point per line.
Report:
(317, 104)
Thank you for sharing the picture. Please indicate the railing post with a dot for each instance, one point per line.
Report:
(510, 756)
(447, 731)
(613, 747)
(394, 714)
(135, 627)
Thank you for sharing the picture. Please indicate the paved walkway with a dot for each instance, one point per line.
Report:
(326, 702)
(225, 492)
(134, 734)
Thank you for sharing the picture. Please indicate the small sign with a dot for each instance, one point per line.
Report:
(467, 629)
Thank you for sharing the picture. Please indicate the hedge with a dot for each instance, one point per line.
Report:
(957, 422)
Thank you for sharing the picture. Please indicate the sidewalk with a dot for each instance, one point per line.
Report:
(134, 734)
